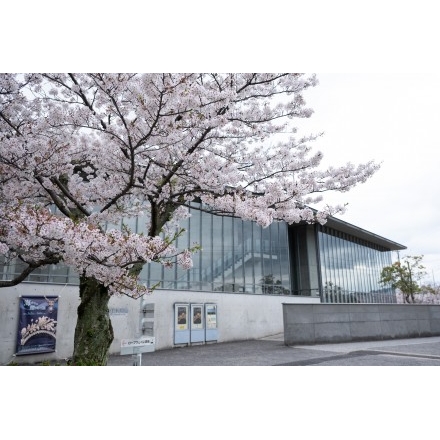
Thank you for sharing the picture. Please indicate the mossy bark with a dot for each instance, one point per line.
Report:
(94, 331)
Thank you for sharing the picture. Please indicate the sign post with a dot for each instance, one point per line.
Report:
(136, 347)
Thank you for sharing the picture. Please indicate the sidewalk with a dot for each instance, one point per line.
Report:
(271, 351)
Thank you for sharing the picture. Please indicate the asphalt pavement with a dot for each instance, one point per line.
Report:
(272, 351)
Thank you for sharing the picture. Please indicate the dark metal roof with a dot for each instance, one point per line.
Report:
(348, 228)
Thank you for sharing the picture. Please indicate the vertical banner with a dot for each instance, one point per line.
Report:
(37, 324)
(211, 316)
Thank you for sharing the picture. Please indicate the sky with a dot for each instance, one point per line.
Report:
(391, 118)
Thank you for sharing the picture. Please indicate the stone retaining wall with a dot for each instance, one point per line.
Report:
(326, 323)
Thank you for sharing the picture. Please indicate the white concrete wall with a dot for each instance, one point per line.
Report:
(239, 317)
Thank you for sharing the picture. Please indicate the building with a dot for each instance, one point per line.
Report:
(337, 262)
(247, 271)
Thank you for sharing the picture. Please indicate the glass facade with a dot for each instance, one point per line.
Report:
(351, 267)
(236, 256)
(52, 274)
(241, 257)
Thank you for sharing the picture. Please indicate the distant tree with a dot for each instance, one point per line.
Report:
(79, 152)
(331, 291)
(428, 294)
(431, 289)
(271, 286)
(405, 276)
(335, 293)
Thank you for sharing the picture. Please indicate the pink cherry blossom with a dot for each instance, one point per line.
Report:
(81, 152)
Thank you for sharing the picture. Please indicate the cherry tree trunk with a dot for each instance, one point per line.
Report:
(94, 331)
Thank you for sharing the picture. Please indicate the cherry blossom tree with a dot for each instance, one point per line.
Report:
(426, 295)
(79, 152)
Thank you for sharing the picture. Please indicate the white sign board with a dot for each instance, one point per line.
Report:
(143, 344)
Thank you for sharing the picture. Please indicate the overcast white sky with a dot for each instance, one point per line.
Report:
(391, 118)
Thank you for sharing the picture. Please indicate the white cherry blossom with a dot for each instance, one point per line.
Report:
(79, 152)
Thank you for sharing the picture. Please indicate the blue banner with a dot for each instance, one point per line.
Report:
(37, 324)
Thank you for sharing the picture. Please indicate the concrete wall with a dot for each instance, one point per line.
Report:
(322, 323)
(240, 317)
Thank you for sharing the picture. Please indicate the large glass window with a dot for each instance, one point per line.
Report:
(241, 256)
(235, 256)
(351, 267)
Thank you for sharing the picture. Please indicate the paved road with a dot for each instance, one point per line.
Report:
(271, 351)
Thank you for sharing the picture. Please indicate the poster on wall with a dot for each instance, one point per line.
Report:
(182, 317)
(197, 317)
(37, 324)
(211, 316)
